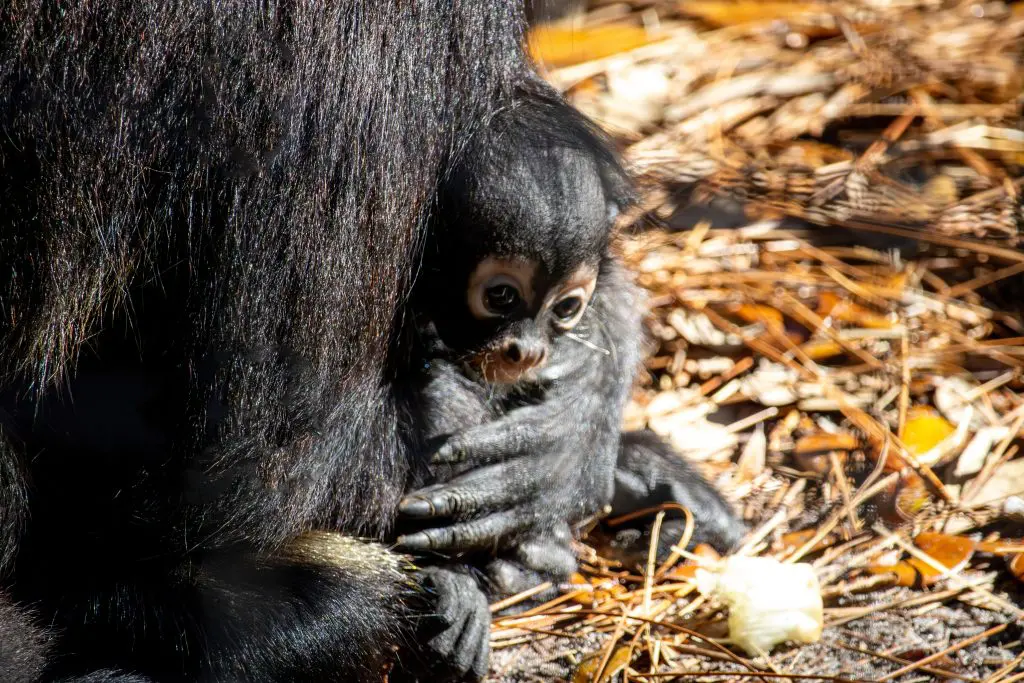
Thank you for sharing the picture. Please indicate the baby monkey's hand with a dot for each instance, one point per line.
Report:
(532, 469)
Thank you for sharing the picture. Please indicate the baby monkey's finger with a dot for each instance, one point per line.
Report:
(480, 533)
(495, 441)
(487, 489)
(418, 503)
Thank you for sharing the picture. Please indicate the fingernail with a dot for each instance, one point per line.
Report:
(444, 455)
(418, 541)
(417, 507)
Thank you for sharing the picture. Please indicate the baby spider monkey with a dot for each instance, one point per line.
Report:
(521, 312)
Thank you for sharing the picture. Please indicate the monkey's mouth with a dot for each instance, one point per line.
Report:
(495, 368)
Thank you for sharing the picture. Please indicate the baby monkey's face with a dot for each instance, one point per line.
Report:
(518, 310)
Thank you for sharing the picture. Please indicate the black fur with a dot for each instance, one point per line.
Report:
(536, 194)
(533, 196)
(23, 646)
(538, 189)
(107, 676)
(25, 649)
(212, 214)
(540, 11)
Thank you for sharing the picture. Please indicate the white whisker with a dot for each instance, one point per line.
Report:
(586, 342)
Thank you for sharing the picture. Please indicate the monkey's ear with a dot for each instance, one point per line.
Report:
(612, 212)
(619, 190)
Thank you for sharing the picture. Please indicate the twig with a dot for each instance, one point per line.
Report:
(942, 653)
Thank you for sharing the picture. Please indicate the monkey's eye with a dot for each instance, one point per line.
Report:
(501, 299)
(498, 289)
(569, 309)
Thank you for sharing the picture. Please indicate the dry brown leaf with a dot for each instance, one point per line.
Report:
(1003, 547)
(940, 190)
(756, 313)
(752, 460)
(822, 349)
(812, 19)
(1007, 480)
(913, 495)
(811, 154)
(606, 589)
(706, 552)
(686, 571)
(951, 398)
(832, 305)
(949, 550)
(952, 552)
(557, 46)
(973, 457)
(735, 12)
(822, 442)
(796, 539)
(589, 670)
(813, 452)
(585, 595)
(1016, 564)
(906, 497)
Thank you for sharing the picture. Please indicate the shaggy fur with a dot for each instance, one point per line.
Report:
(212, 214)
(23, 647)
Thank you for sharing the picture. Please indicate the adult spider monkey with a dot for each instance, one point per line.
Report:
(211, 218)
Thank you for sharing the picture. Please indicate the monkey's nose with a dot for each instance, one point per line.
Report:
(525, 355)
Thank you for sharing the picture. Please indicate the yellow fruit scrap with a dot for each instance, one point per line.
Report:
(924, 430)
